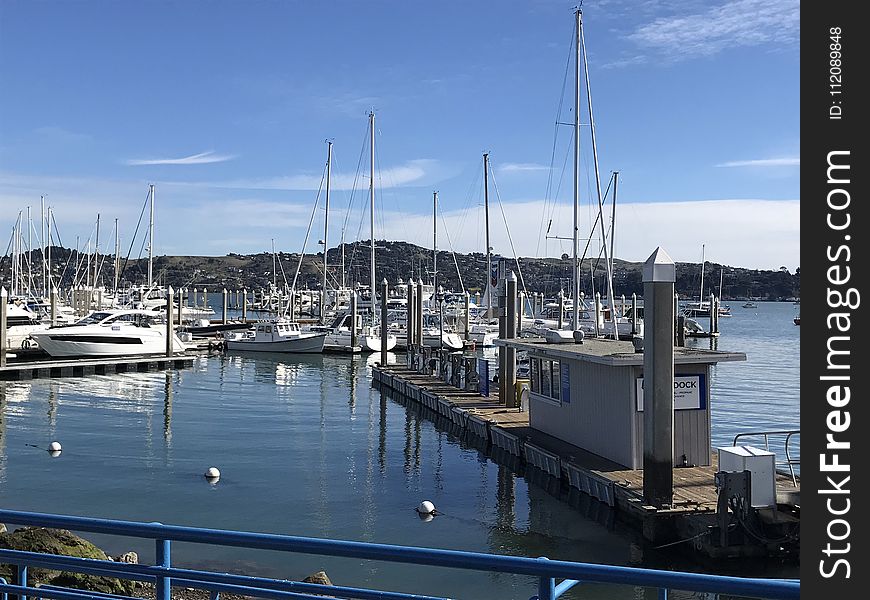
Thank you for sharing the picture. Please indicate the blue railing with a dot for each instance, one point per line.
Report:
(165, 576)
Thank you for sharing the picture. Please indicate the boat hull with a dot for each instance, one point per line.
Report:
(59, 343)
(305, 344)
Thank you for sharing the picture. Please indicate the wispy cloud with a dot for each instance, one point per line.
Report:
(731, 24)
(413, 172)
(522, 167)
(195, 159)
(764, 162)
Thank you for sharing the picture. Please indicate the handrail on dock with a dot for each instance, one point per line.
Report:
(165, 576)
(789, 434)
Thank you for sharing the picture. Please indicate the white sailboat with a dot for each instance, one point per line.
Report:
(371, 336)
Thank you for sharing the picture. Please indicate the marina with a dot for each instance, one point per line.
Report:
(363, 457)
(402, 373)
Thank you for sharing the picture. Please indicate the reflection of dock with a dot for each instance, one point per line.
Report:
(92, 366)
(692, 517)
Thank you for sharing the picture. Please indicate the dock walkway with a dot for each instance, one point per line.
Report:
(692, 513)
(79, 367)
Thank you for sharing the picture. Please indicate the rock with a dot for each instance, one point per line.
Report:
(320, 577)
(63, 542)
(131, 558)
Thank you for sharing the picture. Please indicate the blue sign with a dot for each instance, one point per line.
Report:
(483, 374)
(565, 376)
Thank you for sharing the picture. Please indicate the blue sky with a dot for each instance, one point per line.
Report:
(225, 107)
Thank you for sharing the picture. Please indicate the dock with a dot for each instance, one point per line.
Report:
(487, 424)
(80, 367)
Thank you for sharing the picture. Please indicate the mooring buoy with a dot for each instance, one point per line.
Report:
(426, 508)
(212, 474)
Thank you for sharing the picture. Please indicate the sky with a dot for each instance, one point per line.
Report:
(226, 108)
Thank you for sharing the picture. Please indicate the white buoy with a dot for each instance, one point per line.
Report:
(426, 508)
(212, 473)
(54, 447)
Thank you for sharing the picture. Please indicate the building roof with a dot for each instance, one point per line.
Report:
(614, 353)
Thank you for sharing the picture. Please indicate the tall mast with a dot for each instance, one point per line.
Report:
(274, 270)
(49, 285)
(42, 241)
(97, 251)
(372, 207)
(598, 185)
(151, 237)
(575, 312)
(613, 222)
(117, 261)
(326, 230)
(435, 239)
(488, 247)
(29, 253)
(701, 295)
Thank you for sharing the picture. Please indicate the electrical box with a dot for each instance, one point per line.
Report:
(762, 465)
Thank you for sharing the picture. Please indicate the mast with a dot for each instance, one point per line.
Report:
(42, 241)
(274, 270)
(575, 311)
(701, 296)
(151, 237)
(117, 262)
(49, 285)
(598, 185)
(97, 251)
(435, 239)
(29, 253)
(613, 222)
(372, 208)
(488, 247)
(326, 232)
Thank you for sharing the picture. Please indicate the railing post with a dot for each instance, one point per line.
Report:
(663, 593)
(546, 586)
(22, 579)
(164, 584)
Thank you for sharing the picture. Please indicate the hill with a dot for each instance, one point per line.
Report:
(402, 260)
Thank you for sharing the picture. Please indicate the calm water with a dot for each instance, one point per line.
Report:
(307, 447)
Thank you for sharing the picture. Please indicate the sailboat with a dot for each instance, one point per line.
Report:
(701, 308)
(616, 326)
(371, 337)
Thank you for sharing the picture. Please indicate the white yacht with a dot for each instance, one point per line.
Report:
(108, 333)
(277, 335)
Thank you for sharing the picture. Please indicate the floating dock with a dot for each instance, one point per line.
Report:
(690, 521)
(79, 367)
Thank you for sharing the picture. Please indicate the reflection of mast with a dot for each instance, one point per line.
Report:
(53, 387)
(505, 498)
(167, 410)
(382, 434)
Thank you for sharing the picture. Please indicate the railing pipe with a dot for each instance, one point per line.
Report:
(163, 559)
(592, 573)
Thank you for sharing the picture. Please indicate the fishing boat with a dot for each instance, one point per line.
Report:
(750, 304)
(108, 333)
(277, 335)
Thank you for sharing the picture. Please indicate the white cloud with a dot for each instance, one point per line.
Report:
(729, 25)
(521, 167)
(195, 159)
(764, 162)
(747, 233)
(751, 233)
(412, 172)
